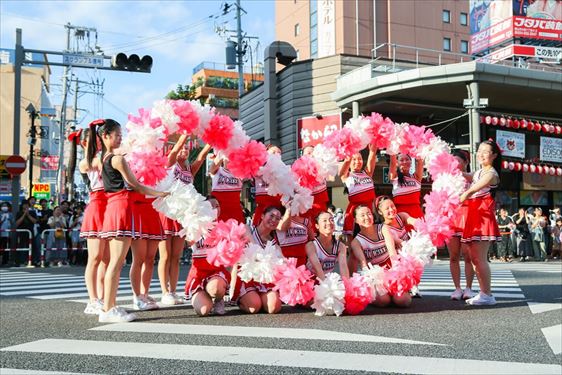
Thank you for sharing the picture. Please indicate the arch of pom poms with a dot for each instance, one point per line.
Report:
(144, 144)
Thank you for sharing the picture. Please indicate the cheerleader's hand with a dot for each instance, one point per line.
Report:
(463, 197)
(164, 194)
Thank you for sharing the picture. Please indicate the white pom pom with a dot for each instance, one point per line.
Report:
(259, 264)
(327, 161)
(435, 147)
(359, 126)
(205, 112)
(419, 246)
(144, 138)
(329, 297)
(163, 110)
(400, 130)
(453, 184)
(375, 278)
(166, 183)
(239, 137)
(279, 176)
(301, 200)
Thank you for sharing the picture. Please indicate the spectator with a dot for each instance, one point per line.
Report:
(554, 216)
(57, 238)
(331, 209)
(557, 238)
(26, 219)
(74, 228)
(338, 221)
(6, 218)
(538, 222)
(505, 253)
(523, 236)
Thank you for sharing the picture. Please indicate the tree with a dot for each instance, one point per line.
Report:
(185, 92)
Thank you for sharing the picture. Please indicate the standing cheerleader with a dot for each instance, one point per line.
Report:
(263, 199)
(293, 234)
(253, 296)
(206, 284)
(226, 188)
(406, 189)
(171, 248)
(324, 252)
(371, 246)
(319, 193)
(455, 247)
(481, 227)
(118, 227)
(98, 251)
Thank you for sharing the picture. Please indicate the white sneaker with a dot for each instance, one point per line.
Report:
(93, 308)
(179, 299)
(218, 307)
(415, 292)
(168, 299)
(482, 299)
(149, 298)
(116, 315)
(467, 294)
(141, 304)
(457, 295)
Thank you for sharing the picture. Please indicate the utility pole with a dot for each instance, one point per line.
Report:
(474, 103)
(72, 158)
(32, 139)
(239, 50)
(62, 127)
(19, 57)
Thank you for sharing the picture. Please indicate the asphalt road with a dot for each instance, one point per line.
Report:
(435, 335)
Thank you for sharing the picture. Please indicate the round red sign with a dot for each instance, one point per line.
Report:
(15, 165)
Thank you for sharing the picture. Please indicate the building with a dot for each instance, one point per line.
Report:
(217, 86)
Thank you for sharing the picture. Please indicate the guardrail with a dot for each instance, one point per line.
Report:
(45, 248)
(28, 249)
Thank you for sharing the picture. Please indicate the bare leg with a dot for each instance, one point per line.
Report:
(468, 267)
(139, 248)
(164, 249)
(454, 247)
(216, 288)
(148, 266)
(478, 255)
(202, 303)
(95, 256)
(404, 300)
(271, 303)
(382, 301)
(174, 262)
(118, 248)
(250, 302)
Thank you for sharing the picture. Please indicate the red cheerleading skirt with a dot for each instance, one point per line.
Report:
(241, 288)
(170, 227)
(230, 208)
(481, 223)
(92, 225)
(118, 220)
(146, 219)
(295, 251)
(198, 278)
(262, 202)
(319, 204)
(459, 220)
(363, 199)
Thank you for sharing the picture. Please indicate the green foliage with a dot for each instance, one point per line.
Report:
(185, 92)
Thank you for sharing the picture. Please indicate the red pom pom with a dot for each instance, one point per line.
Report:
(226, 242)
(189, 119)
(306, 170)
(405, 273)
(295, 284)
(218, 132)
(344, 142)
(358, 294)
(246, 161)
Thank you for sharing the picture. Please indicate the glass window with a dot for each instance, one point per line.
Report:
(314, 48)
(446, 16)
(446, 44)
(297, 29)
(464, 46)
(313, 6)
(464, 19)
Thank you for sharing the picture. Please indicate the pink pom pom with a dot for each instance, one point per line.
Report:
(226, 242)
(293, 283)
(218, 132)
(246, 161)
(144, 119)
(440, 203)
(405, 273)
(414, 138)
(358, 294)
(438, 228)
(306, 169)
(344, 142)
(148, 167)
(381, 130)
(189, 119)
(443, 163)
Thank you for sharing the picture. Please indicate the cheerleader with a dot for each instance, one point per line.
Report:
(454, 245)
(206, 284)
(252, 296)
(325, 251)
(263, 199)
(361, 191)
(226, 188)
(118, 227)
(293, 233)
(319, 193)
(481, 227)
(370, 245)
(98, 252)
(171, 248)
(406, 188)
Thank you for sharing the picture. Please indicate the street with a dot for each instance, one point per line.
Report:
(44, 329)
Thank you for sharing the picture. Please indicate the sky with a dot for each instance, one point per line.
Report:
(177, 34)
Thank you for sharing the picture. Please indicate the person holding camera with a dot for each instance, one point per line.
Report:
(26, 219)
(538, 222)
(523, 235)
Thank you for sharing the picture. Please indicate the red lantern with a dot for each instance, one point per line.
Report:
(540, 169)
(559, 171)
(532, 168)
(551, 129)
(552, 171)
(511, 165)
(504, 164)
(488, 120)
(516, 124)
(530, 126)
(509, 123)
(558, 129)
(481, 119)
(503, 121)
(495, 120)
(538, 127)
(525, 167)
(517, 166)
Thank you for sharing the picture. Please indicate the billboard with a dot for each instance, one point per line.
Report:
(49, 163)
(326, 27)
(311, 130)
(551, 149)
(512, 144)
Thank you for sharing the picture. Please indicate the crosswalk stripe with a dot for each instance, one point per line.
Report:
(241, 331)
(85, 294)
(283, 357)
(64, 289)
(540, 307)
(41, 282)
(553, 336)
(448, 287)
(39, 276)
(496, 295)
(475, 282)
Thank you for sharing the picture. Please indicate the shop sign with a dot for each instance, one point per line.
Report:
(512, 144)
(551, 149)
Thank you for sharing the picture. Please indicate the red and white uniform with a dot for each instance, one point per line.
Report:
(320, 202)
(327, 258)
(171, 227)
(226, 188)
(92, 223)
(201, 271)
(119, 213)
(293, 241)
(459, 219)
(374, 249)
(263, 200)
(481, 223)
(147, 220)
(361, 191)
(406, 197)
(400, 232)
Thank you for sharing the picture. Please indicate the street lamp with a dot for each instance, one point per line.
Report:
(31, 141)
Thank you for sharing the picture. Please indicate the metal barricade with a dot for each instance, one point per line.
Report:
(29, 248)
(44, 246)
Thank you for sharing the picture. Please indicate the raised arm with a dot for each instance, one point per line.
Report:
(371, 161)
(419, 169)
(196, 165)
(342, 260)
(344, 169)
(173, 155)
(393, 167)
(215, 165)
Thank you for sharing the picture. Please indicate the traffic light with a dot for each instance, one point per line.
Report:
(132, 63)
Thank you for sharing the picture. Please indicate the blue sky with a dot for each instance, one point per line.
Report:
(177, 34)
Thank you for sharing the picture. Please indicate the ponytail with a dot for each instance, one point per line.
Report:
(97, 129)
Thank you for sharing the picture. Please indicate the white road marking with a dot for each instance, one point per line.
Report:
(553, 336)
(540, 307)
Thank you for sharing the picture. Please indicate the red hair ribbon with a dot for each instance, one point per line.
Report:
(95, 123)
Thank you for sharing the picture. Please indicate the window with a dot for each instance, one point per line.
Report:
(464, 46)
(464, 19)
(446, 16)
(313, 28)
(298, 55)
(297, 29)
(446, 44)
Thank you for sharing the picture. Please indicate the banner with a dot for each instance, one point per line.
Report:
(49, 163)
(551, 149)
(326, 28)
(312, 130)
(511, 143)
(535, 28)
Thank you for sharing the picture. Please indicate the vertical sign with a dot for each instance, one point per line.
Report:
(326, 28)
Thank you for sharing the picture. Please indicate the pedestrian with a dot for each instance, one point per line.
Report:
(6, 222)
(325, 251)
(74, 227)
(319, 192)
(263, 199)
(454, 246)
(557, 239)
(406, 188)
(481, 227)
(523, 236)
(338, 221)
(118, 226)
(92, 223)
(537, 225)
(26, 219)
(57, 254)
(504, 246)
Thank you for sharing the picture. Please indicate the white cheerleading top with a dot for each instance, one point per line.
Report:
(411, 185)
(184, 176)
(485, 191)
(358, 182)
(327, 259)
(225, 181)
(375, 250)
(296, 234)
(96, 181)
(260, 186)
